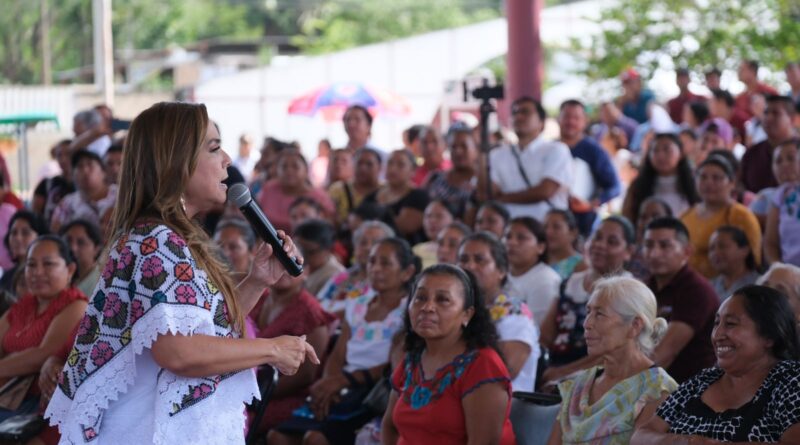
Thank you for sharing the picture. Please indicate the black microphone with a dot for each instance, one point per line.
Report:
(239, 195)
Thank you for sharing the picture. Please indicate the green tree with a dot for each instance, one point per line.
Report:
(336, 25)
(695, 34)
(136, 24)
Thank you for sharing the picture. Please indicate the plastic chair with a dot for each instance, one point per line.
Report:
(267, 381)
(533, 415)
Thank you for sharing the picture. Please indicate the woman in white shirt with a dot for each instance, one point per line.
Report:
(533, 279)
(485, 256)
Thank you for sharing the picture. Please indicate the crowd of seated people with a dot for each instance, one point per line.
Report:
(659, 308)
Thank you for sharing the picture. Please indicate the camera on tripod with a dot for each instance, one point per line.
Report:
(485, 92)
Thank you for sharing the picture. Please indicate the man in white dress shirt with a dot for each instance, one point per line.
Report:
(534, 176)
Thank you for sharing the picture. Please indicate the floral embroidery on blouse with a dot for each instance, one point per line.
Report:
(427, 391)
(166, 275)
(504, 306)
(343, 287)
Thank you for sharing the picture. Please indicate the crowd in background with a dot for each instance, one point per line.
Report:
(653, 240)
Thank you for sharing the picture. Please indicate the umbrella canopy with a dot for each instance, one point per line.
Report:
(22, 121)
(28, 118)
(332, 100)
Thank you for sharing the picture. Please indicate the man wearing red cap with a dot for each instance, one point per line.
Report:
(634, 99)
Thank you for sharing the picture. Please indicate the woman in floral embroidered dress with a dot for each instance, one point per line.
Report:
(452, 371)
(353, 282)
(485, 257)
(603, 405)
(159, 356)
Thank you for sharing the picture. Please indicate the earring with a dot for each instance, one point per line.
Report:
(465, 324)
(183, 204)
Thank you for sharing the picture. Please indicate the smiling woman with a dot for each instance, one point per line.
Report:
(40, 322)
(751, 395)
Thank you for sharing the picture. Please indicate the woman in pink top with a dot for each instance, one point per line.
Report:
(291, 183)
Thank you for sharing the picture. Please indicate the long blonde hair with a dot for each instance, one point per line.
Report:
(158, 159)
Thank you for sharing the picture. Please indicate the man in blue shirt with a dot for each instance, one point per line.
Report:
(595, 179)
(635, 98)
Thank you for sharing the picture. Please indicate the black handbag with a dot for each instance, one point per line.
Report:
(377, 400)
(21, 428)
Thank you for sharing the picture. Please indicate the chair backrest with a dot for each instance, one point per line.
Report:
(533, 416)
(267, 381)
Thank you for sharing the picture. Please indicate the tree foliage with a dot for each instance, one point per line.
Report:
(136, 24)
(335, 25)
(695, 34)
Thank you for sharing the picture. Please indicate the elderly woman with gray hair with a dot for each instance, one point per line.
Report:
(784, 278)
(606, 403)
(353, 282)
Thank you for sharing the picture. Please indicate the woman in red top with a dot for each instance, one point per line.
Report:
(452, 371)
(288, 309)
(36, 326)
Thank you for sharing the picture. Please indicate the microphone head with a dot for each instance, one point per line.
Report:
(239, 195)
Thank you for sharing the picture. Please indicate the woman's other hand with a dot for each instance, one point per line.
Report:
(325, 393)
(266, 269)
(290, 352)
(48, 376)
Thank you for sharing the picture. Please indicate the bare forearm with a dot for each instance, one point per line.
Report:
(249, 291)
(204, 355)
(29, 361)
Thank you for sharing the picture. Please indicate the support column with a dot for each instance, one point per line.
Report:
(103, 50)
(524, 61)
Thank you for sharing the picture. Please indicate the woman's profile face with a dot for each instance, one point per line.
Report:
(20, 237)
(436, 308)
(604, 328)
(46, 272)
(737, 343)
(476, 257)
(205, 190)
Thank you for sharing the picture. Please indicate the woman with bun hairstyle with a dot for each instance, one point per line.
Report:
(606, 403)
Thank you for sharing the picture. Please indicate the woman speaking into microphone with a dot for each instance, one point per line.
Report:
(160, 356)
